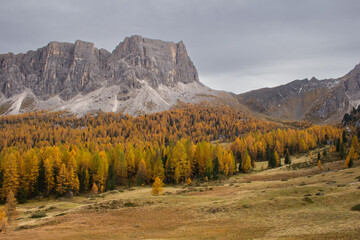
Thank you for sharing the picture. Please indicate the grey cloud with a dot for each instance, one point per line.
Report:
(230, 41)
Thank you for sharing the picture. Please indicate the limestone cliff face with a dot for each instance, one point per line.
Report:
(141, 75)
(66, 69)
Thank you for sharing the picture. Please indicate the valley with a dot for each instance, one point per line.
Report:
(88, 136)
(282, 203)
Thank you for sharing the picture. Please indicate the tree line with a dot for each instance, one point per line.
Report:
(58, 153)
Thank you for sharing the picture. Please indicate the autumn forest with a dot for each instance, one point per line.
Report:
(45, 153)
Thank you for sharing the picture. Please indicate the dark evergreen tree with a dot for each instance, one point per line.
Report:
(238, 156)
(111, 179)
(272, 161)
(326, 139)
(22, 195)
(338, 143)
(40, 182)
(344, 138)
(351, 163)
(319, 156)
(268, 153)
(287, 157)
(216, 168)
(81, 177)
(342, 151)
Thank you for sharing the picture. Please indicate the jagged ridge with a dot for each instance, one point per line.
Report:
(80, 78)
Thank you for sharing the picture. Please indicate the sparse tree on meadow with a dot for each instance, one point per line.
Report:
(157, 186)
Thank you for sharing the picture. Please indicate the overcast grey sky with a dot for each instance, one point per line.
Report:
(236, 45)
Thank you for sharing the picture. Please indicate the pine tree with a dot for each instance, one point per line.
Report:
(40, 181)
(344, 138)
(342, 151)
(338, 145)
(209, 168)
(216, 168)
(110, 181)
(272, 161)
(319, 156)
(287, 158)
(157, 186)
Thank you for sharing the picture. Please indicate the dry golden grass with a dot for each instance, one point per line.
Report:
(273, 204)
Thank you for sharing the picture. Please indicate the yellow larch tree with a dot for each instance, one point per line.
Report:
(73, 179)
(355, 144)
(157, 186)
(277, 157)
(10, 207)
(11, 179)
(3, 219)
(32, 170)
(158, 170)
(62, 180)
(102, 172)
(142, 174)
(49, 176)
(246, 162)
(319, 164)
(130, 160)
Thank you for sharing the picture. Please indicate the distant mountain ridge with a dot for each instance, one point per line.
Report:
(322, 101)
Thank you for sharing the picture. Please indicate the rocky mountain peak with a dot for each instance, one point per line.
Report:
(67, 69)
(60, 72)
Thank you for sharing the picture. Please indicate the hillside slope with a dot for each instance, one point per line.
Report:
(314, 100)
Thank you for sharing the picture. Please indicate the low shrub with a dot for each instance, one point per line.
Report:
(38, 214)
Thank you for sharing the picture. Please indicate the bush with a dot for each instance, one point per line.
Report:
(356, 208)
(38, 214)
(129, 204)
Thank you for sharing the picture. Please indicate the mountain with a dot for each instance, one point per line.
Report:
(140, 76)
(320, 101)
(144, 75)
